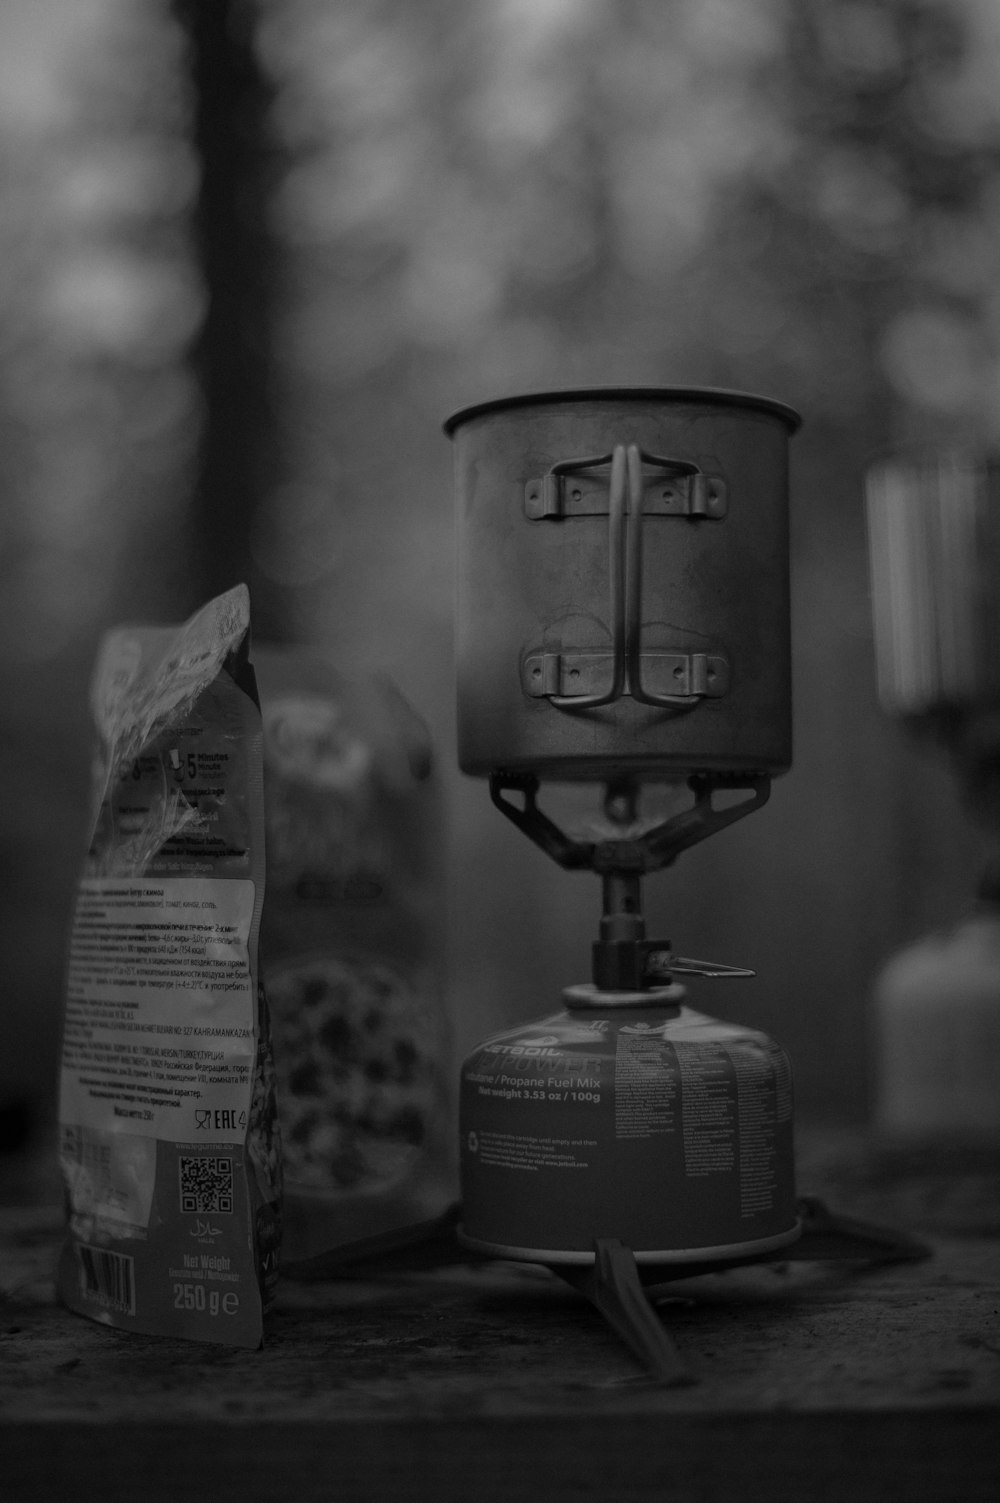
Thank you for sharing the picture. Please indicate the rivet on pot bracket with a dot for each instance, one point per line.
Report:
(697, 675)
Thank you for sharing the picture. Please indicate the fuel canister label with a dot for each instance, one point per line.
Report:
(525, 1151)
(647, 1096)
(666, 1135)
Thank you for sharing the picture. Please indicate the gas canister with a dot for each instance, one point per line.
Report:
(632, 1117)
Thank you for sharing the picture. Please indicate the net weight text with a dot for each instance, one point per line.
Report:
(212, 1301)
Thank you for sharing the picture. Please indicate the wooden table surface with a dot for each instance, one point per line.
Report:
(812, 1380)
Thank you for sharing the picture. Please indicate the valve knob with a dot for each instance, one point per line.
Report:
(628, 965)
(682, 965)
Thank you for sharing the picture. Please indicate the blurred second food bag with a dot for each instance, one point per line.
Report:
(351, 953)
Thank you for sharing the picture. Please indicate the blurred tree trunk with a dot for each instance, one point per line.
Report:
(238, 259)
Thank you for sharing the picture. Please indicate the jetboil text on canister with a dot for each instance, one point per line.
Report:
(623, 620)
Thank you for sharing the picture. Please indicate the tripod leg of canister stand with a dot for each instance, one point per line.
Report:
(612, 1285)
(420, 1244)
(830, 1235)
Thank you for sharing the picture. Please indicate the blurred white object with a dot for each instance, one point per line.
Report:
(937, 1011)
(934, 549)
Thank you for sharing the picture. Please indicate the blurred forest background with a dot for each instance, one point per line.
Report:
(253, 254)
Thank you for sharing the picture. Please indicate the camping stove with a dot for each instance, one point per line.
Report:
(623, 624)
(623, 620)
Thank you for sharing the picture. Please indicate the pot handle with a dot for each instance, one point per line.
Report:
(625, 522)
(633, 590)
(616, 578)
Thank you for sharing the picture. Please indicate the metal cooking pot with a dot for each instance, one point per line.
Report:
(623, 597)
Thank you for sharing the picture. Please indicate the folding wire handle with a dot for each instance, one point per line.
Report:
(633, 589)
(625, 537)
(616, 578)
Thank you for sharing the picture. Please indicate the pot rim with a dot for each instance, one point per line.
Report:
(721, 396)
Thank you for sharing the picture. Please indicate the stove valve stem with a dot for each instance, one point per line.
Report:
(624, 960)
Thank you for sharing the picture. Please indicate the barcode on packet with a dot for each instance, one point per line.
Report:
(108, 1277)
(206, 1184)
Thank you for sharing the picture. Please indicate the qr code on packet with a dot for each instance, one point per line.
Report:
(206, 1184)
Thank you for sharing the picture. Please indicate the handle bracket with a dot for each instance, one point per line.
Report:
(569, 674)
(571, 489)
(579, 680)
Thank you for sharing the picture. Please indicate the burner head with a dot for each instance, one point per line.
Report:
(623, 596)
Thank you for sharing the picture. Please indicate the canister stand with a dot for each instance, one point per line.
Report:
(618, 1286)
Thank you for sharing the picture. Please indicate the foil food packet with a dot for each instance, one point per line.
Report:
(352, 947)
(169, 1145)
